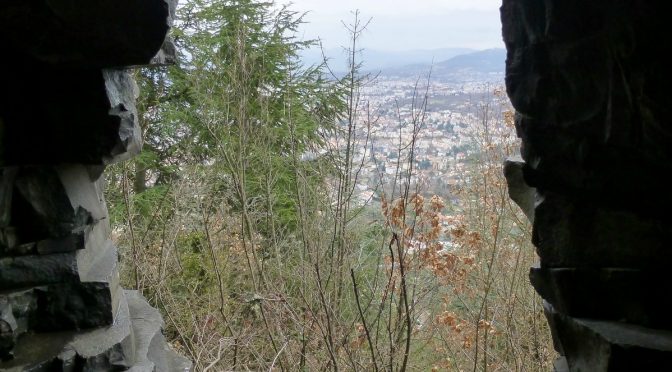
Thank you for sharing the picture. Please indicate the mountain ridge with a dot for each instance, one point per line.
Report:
(380, 59)
(455, 66)
(477, 65)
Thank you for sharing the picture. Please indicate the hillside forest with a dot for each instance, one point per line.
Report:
(243, 220)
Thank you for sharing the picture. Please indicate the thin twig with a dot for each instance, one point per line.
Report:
(361, 315)
(270, 369)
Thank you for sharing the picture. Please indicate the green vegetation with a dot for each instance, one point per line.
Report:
(240, 220)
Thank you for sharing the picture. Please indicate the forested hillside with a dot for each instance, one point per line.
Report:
(264, 223)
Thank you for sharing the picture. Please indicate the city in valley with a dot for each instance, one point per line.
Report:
(435, 121)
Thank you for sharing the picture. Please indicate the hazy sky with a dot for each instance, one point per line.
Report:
(407, 24)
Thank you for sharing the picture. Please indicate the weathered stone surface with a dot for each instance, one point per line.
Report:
(94, 33)
(21, 305)
(134, 342)
(98, 246)
(69, 243)
(121, 92)
(590, 345)
(87, 300)
(589, 97)
(147, 323)
(167, 55)
(103, 349)
(589, 84)
(79, 306)
(580, 233)
(84, 188)
(69, 112)
(7, 176)
(524, 195)
(152, 353)
(166, 359)
(49, 209)
(37, 208)
(8, 326)
(21, 272)
(60, 307)
(90, 303)
(96, 263)
(560, 365)
(95, 108)
(628, 295)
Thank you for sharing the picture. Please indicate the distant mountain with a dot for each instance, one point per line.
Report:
(374, 60)
(480, 65)
(489, 60)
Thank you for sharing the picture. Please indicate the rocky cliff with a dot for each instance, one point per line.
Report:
(67, 111)
(589, 82)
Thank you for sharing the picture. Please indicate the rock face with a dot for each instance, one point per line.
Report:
(587, 79)
(67, 112)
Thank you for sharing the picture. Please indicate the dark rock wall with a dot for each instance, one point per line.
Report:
(589, 82)
(68, 110)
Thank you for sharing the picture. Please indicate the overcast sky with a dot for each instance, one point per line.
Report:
(406, 24)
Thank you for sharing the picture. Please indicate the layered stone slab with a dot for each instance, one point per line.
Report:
(86, 302)
(601, 346)
(49, 210)
(101, 349)
(627, 295)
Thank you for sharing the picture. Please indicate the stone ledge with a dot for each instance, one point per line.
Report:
(600, 346)
(101, 349)
(152, 353)
(49, 209)
(617, 294)
(28, 271)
